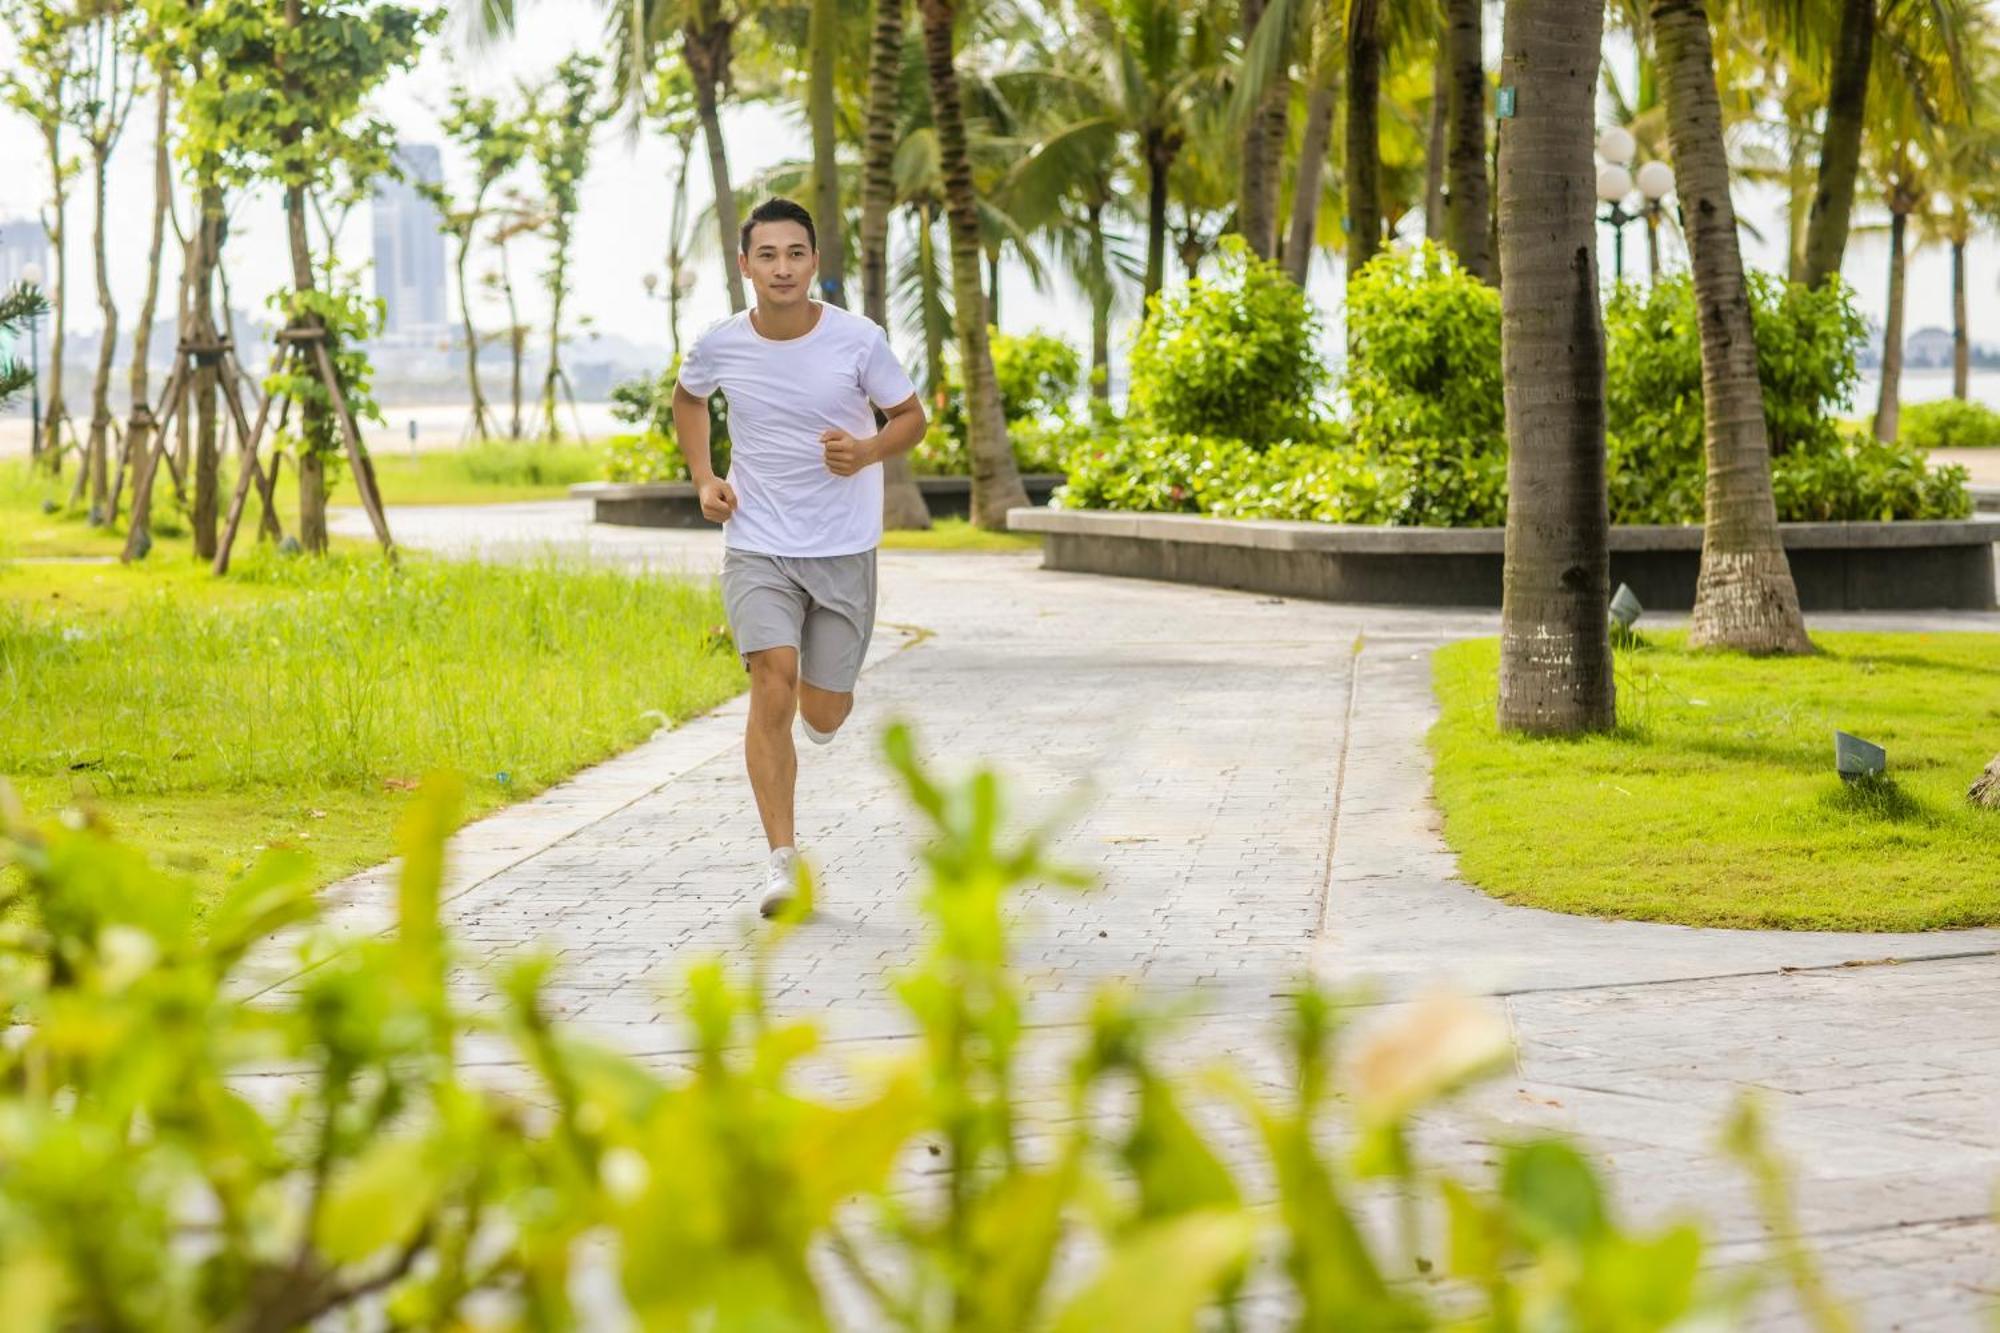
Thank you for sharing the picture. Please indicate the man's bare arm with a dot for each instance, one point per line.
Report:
(906, 424)
(718, 497)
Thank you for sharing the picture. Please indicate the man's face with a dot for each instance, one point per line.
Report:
(780, 263)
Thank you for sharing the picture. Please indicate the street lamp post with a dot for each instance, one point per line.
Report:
(1616, 187)
(31, 274)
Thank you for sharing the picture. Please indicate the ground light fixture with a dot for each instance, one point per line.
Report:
(1855, 758)
(1625, 608)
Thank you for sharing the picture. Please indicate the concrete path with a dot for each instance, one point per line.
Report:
(1249, 777)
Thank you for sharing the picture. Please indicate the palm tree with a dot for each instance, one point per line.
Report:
(1555, 651)
(1744, 594)
(1364, 149)
(902, 503)
(1896, 162)
(996, 482)
(1324, 46)
(1968, 173)
(1468, 218)
(1840, 142)
(1270, 31)
(823, 49)
(1157, 62)
(1067, 188)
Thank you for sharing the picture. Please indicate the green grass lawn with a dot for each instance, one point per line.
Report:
(1716, 803)
(297, 701)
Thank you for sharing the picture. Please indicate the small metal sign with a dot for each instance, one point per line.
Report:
(1625, 608)
(1855, 758)
(1504, 107)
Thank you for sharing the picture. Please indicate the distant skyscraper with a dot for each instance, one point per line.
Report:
(22, 241)
(409, 244)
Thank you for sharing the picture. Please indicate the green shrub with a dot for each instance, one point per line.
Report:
(1324, 479)
(1038, 375)
(149, 1177)
(1423, 360)
(1951, 423)
(1859, 481)
(528, 463)
(646, 457)
(652, 453)
(1807, 341)
(1234, 356)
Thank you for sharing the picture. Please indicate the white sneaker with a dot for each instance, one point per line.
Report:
(781, 881)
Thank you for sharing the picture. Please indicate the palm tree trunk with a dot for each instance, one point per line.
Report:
(1986, 789)
(1840, 145)
(1744, 596)
(1556, 673)
(1364, 148)
(1159, 148)
(1100, 309)
(1434, 216)
(902, 503)
(1961, 336)
(98, 456)
(996, 482)
(1467, 212)
(1799, 195)
(934, 331)
(878, 184)
(822, 40)
(1306, 182)
(1263, 152)
(1888, 402)
(139, 416)
(705, 47)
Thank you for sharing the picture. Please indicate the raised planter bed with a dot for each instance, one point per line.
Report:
(673, 504)
(1838, 566)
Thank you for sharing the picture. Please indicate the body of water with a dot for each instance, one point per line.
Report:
(1921, 386)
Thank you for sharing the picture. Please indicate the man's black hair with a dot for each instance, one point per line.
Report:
(776, 209)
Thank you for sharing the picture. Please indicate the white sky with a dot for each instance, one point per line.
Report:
(620, 232)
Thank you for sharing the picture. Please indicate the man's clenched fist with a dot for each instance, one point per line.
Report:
(846, 455)
(718, 500)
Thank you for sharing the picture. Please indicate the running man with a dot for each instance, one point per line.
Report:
(801, 508)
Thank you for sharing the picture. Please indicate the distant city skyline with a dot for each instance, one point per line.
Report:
(22, 242)
(409, 244)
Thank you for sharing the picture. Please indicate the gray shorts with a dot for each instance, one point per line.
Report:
(822, 605)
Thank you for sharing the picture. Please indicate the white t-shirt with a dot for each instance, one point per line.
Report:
(782, 393)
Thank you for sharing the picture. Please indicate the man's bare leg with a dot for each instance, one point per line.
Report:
(823, 710)
(767, 740)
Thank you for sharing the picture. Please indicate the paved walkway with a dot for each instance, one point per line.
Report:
(1249, 776)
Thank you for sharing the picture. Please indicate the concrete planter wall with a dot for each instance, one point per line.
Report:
(673, 504)
(1838, 566)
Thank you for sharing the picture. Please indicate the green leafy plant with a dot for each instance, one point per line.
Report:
(144, 1183)
(1039, 376)
(653, 453)
(1807, 341)
(1950, 423)
(1235, 355)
